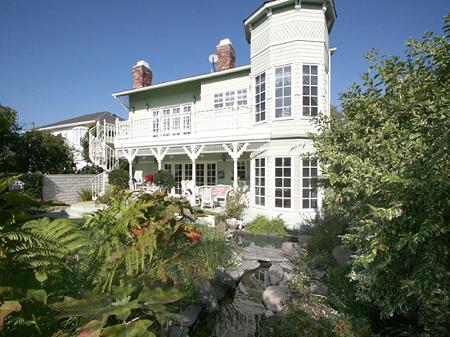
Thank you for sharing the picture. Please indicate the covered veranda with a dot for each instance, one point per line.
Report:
(192, 153)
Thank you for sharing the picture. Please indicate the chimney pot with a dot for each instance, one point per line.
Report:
(142, 75)
(226, 55)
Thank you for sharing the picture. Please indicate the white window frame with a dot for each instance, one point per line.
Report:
(229, 98)
(241, 97)
(283, 188)
(260, 198)
(218, 100)
(310, 193)
(174, 115)
(309, 107)
(284, 97)
(261, 101)
(77, 136)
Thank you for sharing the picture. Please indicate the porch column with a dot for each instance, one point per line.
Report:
(235, 150)
(159, 153)
(193, 152)
(130, 154)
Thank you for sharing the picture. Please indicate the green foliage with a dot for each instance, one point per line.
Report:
(119, 178)
(164, 179)
(33, 184)
(90, 169)
(262, 224)
(9, 140)
(201, 262)
(45, 153)
(138, 235)
(386, 160)
(85, 194)
(236, 204)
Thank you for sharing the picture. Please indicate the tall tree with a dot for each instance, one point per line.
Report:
(9, 139)
(46, 153)
(386, 158)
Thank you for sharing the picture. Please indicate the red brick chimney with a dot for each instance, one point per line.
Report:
(142, 75)
(226, 55)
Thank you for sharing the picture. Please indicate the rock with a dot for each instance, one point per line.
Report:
(290, 248)
(219, 292)
(236, 274)
(287, 277)
(224, 278)
(248, 265)
(275, 297)
(318, 288)
(287, 266)
(275, 274)
(190, 315)
(342, 255)
(207, 297)
(319, 273)
(268, 313)
(264, 254)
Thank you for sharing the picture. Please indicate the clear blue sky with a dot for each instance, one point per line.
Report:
(61, 59)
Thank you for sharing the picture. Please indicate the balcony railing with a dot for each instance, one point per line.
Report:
(217, 121)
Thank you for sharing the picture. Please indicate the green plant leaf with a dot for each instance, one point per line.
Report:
(133, 329)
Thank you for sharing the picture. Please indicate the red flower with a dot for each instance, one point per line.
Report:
(149, 177)
(194, 235)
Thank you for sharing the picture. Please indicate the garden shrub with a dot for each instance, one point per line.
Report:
(262, 224)
(85, 194)
(119, 178)
(164, 179)
(33, 183)
(236, 203)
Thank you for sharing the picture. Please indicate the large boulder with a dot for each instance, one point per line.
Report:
(224, 279)
(275, 297)
(207, 297)
(190, 315)
(342, 255)
(249, 265)
(263, 254)
(275, 274)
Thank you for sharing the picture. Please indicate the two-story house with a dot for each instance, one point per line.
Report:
(74, 129)
(241, 124)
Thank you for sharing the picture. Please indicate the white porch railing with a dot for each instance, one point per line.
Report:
(224, 120)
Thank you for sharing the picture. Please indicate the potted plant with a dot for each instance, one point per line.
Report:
(149, 178)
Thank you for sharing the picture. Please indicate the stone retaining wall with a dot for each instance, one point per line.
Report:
(65, 187)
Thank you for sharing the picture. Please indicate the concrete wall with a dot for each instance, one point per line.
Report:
(65, 187)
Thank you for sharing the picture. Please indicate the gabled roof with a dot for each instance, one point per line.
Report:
(83, 119)
(184, 80)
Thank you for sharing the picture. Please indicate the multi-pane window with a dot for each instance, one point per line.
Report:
(187, 119)
(260, 181)
(168, 167)
(241, 97)
(241, 170)
(78, 134)
(310, 90)
(260, 97)
(283, 182)
(178, 175)
(210, 174)
(187, 171)
(200, 174)
(165, 121)
(283, 92)
(218, 101)
(309, 188)
(176, 122)
(229, 98)
(155, 123)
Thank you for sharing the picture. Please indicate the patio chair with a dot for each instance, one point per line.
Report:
(220, 193)
(206, 196)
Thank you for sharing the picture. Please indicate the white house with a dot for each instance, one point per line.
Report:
(247, 123)
(74, 129)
